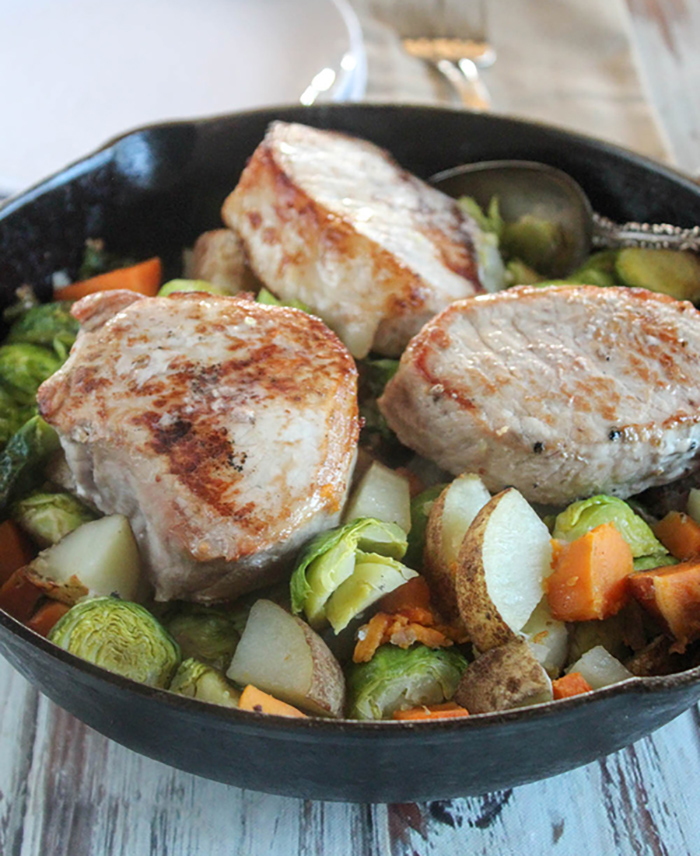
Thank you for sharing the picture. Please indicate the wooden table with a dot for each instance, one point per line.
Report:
(67, 791)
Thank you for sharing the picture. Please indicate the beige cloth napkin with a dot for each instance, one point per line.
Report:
(565, 62)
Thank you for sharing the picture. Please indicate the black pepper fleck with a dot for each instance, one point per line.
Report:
(538, 448)
(615, 434)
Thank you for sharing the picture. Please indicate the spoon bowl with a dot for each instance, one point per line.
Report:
(528, 187)
(547, 193)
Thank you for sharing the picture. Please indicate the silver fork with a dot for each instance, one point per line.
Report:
(449, 35)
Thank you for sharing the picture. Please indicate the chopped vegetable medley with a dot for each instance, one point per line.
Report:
(431, 598)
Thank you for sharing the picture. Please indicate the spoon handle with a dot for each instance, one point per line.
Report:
(653, 235)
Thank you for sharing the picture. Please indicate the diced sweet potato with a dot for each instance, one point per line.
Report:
(46, 616)
(590, 574)
(680, 534)
(15, 550)
(672, 594)
(414, 593)
(256, 700)
(19, 596)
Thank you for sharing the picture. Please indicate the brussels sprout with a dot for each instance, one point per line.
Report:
(372, 578)
(21, 460)
(204, 632)
(23, 367)
(47, 517)
(329, 560)
(420, 511)
(398, 678)
(267, 297)
(121, 637)
(177, 286)
(12, 415)
(489, 220)
(49, 324)
(672, 272)
(518, 273)
(200, 681)
(582, 516)
(541, 244)
(598, 269)
(646, 563)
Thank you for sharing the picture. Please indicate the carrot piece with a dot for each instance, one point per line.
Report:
(589, 579)
(448, 710)
(372, 639)
(570, 685)
(414, 593)
(672, 594)
(15, 550)
(144, 278)
(680, 534)
(19, 596)
(46, 616)
(254, 699)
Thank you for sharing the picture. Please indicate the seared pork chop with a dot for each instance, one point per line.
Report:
(562, 392)
(334, 222)
(224, 429)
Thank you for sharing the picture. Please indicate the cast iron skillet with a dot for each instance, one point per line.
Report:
(152, 192)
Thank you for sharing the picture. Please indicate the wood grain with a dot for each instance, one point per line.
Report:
(68, 791)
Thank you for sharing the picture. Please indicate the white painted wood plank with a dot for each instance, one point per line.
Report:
(87, 795)
(633, 802)
(18, 703)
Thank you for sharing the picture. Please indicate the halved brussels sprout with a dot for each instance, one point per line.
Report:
(198, 680)
(48, 324)
(329, 559)
(24, 367)
(48, 517)
(582, 516)
(203, 632)
(672, 272)
(267, 297)
(178, 286)
(646, 563)
(121, 637)
(373, 576)
(420, 512)
(397, 678)
(12, 415)
(23, 457)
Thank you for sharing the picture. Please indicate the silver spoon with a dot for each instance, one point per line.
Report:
(528, 187)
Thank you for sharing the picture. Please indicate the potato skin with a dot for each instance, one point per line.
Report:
(503, 678)
(483, 622)
(327, 690)
(440, 577)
